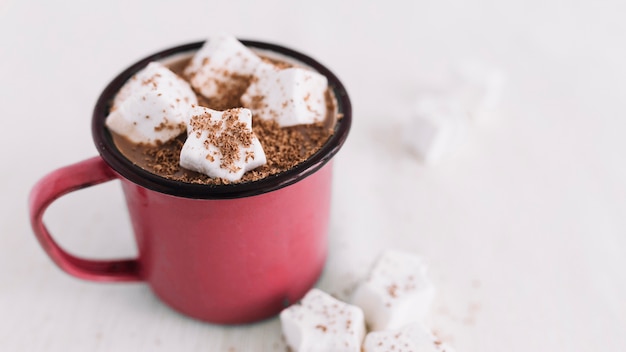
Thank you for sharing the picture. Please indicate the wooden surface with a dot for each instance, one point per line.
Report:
(524, 228)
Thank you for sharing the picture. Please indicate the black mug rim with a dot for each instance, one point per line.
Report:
(124, 167)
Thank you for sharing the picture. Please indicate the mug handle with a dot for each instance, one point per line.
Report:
(58, 183)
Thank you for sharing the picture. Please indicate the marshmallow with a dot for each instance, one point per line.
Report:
(396, 293)
(151, 107)
(223, 64)
(478, 88)
(221, 143)
(438, 126)
(411, 338)
(290, 96)
(322, 323)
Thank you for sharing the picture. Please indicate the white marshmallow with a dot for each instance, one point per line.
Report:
(396, 293)
(437, 127)
(322, 323)
(478, 88)
(221, 143)
(222, 63)
(411, 338)
(151, 107)
(290, 96)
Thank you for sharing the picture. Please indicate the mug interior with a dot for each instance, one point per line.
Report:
(123, 166)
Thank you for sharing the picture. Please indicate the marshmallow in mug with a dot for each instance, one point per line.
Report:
(322, 323)
(413, 337)
(221, 143)
(396, 293)
(290, 96)
(151, 107)
(222, 64)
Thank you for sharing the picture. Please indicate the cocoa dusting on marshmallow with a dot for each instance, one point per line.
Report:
(227, 135)
(166, 125)
(151, 81)
(392, 290)
(321, 327)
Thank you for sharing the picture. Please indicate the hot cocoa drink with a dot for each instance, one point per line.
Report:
(289, 129)
(223, 246)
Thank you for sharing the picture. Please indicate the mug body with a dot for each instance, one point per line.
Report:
(232, 260)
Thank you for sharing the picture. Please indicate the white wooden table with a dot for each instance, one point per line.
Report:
(524, 227)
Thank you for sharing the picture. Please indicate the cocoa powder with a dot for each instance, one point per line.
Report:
(284, 147)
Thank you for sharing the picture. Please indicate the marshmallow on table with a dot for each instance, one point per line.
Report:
(290, 96)
(438, 126)
(221, 143)
(396, 293)
(322, 323)
(151, 107)
(478, 88)
(221, 65)
(411, 338)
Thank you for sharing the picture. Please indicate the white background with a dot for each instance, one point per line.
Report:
(524, 227)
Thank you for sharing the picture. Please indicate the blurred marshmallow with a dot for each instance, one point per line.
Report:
(221, 143)
(396, 293)
(322, 323)
(290, 96)
(151, 107)
(478, 88)
(411, 338)
(438, 126)
(222, 65)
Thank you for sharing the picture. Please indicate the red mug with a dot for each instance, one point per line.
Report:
(224, 254)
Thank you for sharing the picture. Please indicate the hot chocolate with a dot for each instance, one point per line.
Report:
(232, 253)
(284, 146)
